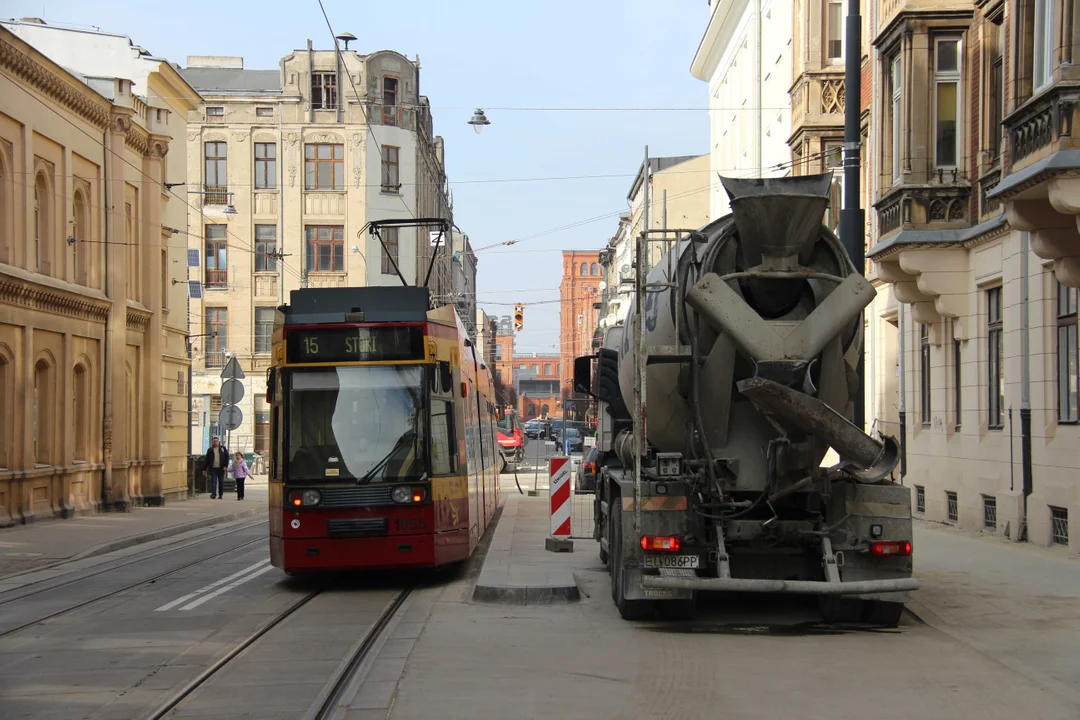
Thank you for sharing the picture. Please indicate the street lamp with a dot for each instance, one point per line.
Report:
(479, 121)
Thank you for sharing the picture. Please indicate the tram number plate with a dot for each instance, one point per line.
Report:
(672, 561)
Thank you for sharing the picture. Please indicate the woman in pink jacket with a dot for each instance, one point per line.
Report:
(240, 472)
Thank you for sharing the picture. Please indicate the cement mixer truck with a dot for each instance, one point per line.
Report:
(718, 400)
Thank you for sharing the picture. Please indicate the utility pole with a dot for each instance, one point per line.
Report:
(852, 219)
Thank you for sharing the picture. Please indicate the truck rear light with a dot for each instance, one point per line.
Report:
(657, 542)
(889, 549)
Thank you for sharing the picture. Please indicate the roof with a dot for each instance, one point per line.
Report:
(210, 80)
(1061, 160)
(656, 165)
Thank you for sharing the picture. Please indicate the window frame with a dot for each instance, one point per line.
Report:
(391, 111)
(266, 249)
(958, 387)
(313, 164)
(1042, 45)
(925, 389)
(391, 169)
(1066, 320)
(264, 329)
(265, 166)
(215, 344)
(995, 354)
(896, 111)
(828, 37)
(312, 243)
(947, 77)
(211, 247)
(213, 115)
(391, 241)
(326, 85)
(995, 85)
(220, 172)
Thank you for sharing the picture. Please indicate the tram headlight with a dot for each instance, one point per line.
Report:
(402, 494)
(418, 494)
(312, 497)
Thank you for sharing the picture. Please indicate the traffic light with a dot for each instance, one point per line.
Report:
(519, 317)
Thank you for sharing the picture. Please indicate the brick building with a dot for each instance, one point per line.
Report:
(579, 309)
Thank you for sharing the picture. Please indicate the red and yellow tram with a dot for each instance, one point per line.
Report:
(383, 433)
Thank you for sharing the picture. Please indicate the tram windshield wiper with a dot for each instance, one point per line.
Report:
(370, 474)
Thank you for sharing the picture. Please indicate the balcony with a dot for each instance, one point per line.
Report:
(1041, 127)
(217, 278)
(932, 206)
(215, 195)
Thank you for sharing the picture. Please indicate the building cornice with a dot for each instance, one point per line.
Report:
(27, 293)
(78, 98)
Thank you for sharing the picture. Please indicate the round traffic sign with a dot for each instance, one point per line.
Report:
(230, 417)
(232, 392)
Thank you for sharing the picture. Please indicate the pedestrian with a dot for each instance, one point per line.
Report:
(217, 462)
(240, 472)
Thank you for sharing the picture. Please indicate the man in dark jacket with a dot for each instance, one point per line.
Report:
(217, 461)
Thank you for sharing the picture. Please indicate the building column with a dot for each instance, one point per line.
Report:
(115, 493)
(153, 340)
(24, 398)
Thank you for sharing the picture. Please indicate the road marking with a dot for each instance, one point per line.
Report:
(227, 588)
(211, 586)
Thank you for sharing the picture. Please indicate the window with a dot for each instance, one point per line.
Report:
(390, 101)
(1059, 526)
(995, 86)
(265, 166)
(442, 438)
(265, 248)
(7, 394)
(947, 102)
(81, 231)
(324, 167)
(957, 385)
(390, 179)
(895, 117)
(80, 411)
(536, 368)
(43, 431)
(216, 179)
(924, 374)
(834, 35)
(594, 269)
(164, 279)
(264, 328)
(584, 269)
(834, 155)
(325, 250)
(920, 499)
(262, 426)
(389, 251)
(42, 216)
(264, 111)
(547, 368)
(996, 372)
(989, 513)
(217, 266)
(215, 114)
(952, 506)
(1067, 354)
(1043, 44)
(217, 325)
(323, 91)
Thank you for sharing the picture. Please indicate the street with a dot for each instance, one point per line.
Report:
(209, 629)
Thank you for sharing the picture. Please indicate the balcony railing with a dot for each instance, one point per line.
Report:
(215, 195)
(986, 184)
(217, 278)
(1038, 125)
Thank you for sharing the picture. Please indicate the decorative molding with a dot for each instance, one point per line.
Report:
(324, 137)
(138, 320)
(217, 136)
(356, 174)
(265, 137)
(832, 96)
(292, 175)
(193, 136)
(292, 139)
(36, 75)
(356, 141)
(240, 136)
(15, 292)
(137, 139)
(159, 146)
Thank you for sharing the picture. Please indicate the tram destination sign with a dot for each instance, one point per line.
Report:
(353, 344)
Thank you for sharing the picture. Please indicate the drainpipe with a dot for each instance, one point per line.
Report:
(903, 394)
(106, 386)
(1025, 381)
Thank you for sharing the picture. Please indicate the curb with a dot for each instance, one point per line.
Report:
(130, 540)
(562, 594)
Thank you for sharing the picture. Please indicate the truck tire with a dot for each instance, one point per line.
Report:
(851, 610)
(628, 609)
(881, 612)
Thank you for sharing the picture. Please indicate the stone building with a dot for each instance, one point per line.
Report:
(90, 351)
(975, 254)
(287, 167)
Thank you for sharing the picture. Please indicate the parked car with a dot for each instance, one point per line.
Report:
(586, 472)
(572, 440)
(537, 428)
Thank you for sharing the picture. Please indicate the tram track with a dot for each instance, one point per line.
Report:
(128, 586)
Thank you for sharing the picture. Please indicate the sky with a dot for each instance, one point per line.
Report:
(556, 79)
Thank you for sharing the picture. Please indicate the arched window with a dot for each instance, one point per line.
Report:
(43, 413)
(584, 268)
(42, 224)
(532, 410)
(7, 221)
(595, 269)
(7, 422)
(80, 412)
(81, 232)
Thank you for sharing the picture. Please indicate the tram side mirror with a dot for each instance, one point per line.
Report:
(270, 374)
(583, 375)
(445, 378)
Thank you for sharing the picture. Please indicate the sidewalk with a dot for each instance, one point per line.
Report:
(26, 548)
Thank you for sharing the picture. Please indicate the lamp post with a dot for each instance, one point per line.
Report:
(479, 121)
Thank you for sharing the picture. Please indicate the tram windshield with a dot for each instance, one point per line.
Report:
(356, 423)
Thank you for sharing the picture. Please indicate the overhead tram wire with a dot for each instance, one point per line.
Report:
(139, 170)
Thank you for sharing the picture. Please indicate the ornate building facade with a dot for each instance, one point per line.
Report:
(85, 289)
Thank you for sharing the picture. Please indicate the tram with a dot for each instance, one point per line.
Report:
(383, 450)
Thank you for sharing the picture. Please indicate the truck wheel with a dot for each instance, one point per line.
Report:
(839, 609)
(871, 612)
(678, 609)
(629, 609)
(881, 612)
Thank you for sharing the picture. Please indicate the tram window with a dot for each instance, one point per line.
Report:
(442, 437)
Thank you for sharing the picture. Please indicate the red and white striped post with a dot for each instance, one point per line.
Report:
(559, 494)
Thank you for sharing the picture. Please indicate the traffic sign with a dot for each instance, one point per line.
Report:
(232, 370)
(519, 317)
(230, 417)
(232, 392)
